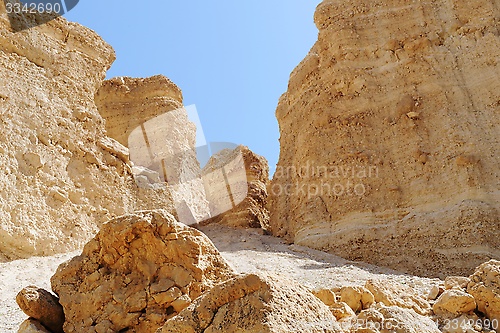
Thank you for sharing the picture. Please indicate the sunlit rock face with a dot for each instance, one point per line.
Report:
(61, 176)
(390, 136)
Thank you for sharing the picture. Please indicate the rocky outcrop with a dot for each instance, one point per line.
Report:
(389, 136)
(254, 303)
(43, 307)
(148, 117)
(139, 271)
(236, 187)
(32, 326)
(61, 176)
(485, 287)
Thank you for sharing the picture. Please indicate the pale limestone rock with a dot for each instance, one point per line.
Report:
(32, 326)
(254, 304)
(126, 103)
(60, 178)
(433, 293)
(326, 296)
(389, 136)
(341, 310)
(384, 319)
(485, 288)
(147, 116)
(358, 298)
(138, 271)
(454, 302)
(456, 282)
(241, 200)
(396, 294)
(42, 306)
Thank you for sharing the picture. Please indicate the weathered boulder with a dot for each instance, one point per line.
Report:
(358, 298)
(239, 201)
(42, 306)
(326, 296)
(485, 287)
(389, 136)
(61, 176)
(453, 303)
(254, 303)
(397, 294)
(384, 319)
(459, 282)
(139, 270)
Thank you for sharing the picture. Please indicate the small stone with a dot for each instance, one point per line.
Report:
(42, 306)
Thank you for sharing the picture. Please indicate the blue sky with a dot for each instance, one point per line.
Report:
(232, 59)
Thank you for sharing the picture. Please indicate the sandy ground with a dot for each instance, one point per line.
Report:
(248, 251)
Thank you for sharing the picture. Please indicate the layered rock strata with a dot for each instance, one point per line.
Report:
(148, 117)
(389, 136)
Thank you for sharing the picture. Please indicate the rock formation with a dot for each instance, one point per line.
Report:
(61, 176)
(485, 288)
(43, 307)
(254, 303)
(389, 136)
(241, 200)
(148, 117)
(138, 271)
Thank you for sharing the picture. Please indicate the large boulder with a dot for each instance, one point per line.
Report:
(389, 136)
(139, 270)
(255, 304)
(61, 176)
(485, 287)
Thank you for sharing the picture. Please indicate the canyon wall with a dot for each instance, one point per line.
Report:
(390, 136)
(148, 117)
(61, 177)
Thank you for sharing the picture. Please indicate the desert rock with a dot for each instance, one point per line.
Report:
(454, 302)
(485, 287)
(41, 305)
(139, 270)
(358, 298)
(389, 137)
(32, 326)
(61, 177)
(241, 202)
(254, 303)
(396, 294)
(148, 117)
(382, 319)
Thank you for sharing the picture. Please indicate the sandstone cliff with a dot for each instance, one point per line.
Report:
(147, 116)
(61, 177)
(390, 136)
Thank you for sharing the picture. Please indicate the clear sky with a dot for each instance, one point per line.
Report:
(232, 59)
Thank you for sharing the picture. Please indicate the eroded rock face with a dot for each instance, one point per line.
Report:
(61, 177)
(485, 287)
(42, 306)
(389, 136)
(241, 200)
(148, 117)
(254, 303)
(138, 271)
